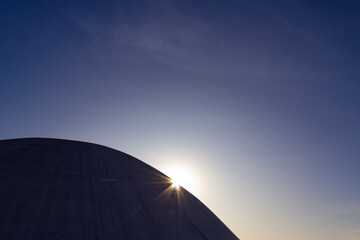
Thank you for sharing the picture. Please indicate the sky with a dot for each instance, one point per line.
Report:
(258, 100)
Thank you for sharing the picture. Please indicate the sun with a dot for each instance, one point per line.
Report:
(175, 185)
(181, 177)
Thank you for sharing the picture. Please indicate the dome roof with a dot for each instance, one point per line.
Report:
(61, 189)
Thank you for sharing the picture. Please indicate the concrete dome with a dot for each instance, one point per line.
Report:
(61, 189)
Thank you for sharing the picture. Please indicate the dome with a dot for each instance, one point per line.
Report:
(62, 189)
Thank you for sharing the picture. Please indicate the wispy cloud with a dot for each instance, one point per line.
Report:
(234, 47)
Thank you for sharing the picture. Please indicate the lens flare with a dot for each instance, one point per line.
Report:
(175, 185)
(181, 177)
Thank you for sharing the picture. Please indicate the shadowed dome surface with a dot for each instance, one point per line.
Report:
(61, 189)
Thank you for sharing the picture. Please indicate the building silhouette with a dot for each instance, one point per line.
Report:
(61, 189)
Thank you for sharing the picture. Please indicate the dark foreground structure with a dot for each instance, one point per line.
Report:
(60, 189)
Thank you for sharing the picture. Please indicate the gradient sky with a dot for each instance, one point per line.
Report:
(259, 99)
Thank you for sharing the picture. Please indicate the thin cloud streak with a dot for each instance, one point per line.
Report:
(237, 48)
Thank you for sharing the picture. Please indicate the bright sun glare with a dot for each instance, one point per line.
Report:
(181, 177)
(175, 185)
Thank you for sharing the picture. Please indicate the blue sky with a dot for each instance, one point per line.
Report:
(260, 99)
